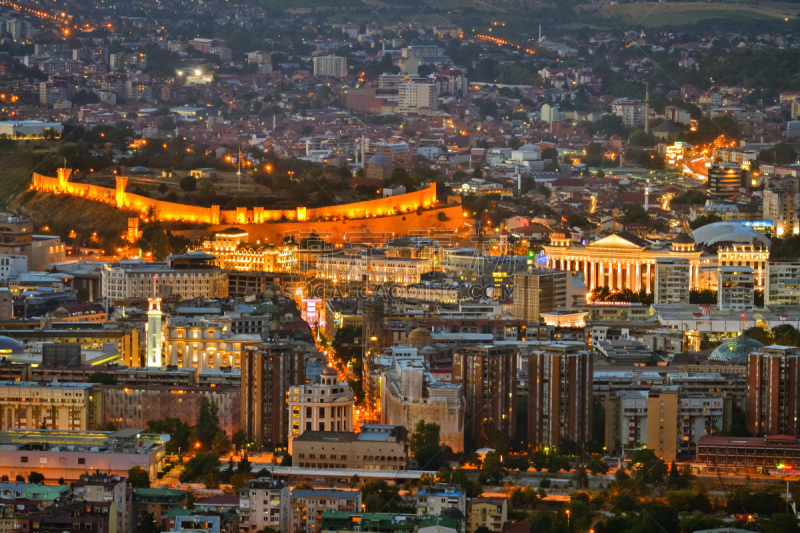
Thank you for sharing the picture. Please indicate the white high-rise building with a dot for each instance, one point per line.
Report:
(330, 66)
(736, 288)
(630, 111)
(413, 97)
(672, 280)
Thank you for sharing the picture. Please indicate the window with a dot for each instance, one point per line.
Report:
(322, 412)
(81, 460)
(23, 459)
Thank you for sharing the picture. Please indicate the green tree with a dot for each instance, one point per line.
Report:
(221, 444)
(188, 184)
(239, 480)
(706, 296)
(660, 519)
(647, 467)
(581, 478)
(211, 480)
(492, 470)
(200, 465)
(178, 431)
(239, 439)
(138, 478)
(147, 525)
(207, 426)
(425, 446)
(35, 477)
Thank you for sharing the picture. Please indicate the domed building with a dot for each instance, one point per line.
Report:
(379, 167)
(10, 347)
(734, 351)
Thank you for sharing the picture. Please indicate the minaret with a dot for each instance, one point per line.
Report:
(647, 197)
(647, 108)
(274, 121)
(540, 33)
(154, 332)
(363, 150)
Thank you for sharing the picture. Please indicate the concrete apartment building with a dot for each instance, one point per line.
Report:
(63, 406)
(306, 506)
(324, 406)
(783, 283)
(263, 502)
(490, 513)
(560, 394)
(736, 288)
(488, 377)
(268, 370)
(540, 291)
(377, 447)
(100, 487)
(439, 497)
(330, 66)
(672, 280)
(630, 111)
(662, 428)
(772, 397)
(157, 502)
(415, 97)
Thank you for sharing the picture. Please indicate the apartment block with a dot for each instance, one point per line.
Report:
(736, 288)
(66, 406)
(672, 280)
(783, 283)
(772, 391)
(663, 404)
(330, 67)
(307, 505)
(560, 394)
(263, 503)
(488, 376)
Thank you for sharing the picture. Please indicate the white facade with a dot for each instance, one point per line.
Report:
(135, 279)
(154, 333)
(330, 66)
(672, 280)
(783, 283)
(324, 406)
(11, 265)
(413, 97)
(631, 112)
(376, 269)
(736, 288)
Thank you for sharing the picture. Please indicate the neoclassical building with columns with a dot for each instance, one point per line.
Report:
(621, 260)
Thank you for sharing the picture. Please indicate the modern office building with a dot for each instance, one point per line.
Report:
(324, 406)
(540, 291)
(672, 280)
(736, 288)
(724, 180)
(772, 391)
(488, 377)
(560, 394)
(748, 455)
(268, 371)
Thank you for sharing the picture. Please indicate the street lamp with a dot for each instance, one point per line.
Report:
(567, 519)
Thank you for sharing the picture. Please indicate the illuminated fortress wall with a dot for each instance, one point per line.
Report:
(334, 219)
